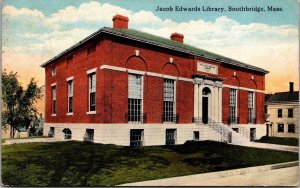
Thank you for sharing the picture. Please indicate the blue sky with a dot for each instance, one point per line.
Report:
(288, 16)
(36, 30)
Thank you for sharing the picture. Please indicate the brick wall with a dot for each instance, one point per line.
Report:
(112, 86)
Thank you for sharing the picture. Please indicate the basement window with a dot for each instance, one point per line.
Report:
(51, 132)
(89, 135)
(136, 137)
(196, 135)
(68, 133)
(170, 136)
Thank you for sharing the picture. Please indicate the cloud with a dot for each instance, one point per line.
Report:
(30, 37)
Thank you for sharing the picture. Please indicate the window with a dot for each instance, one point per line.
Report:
(89, 135)
(290, 113)
(68, 134)
(53, 100)
(70, 96)
(170, 136)
(135, 88)
(92, 92)
(136, 137)
(235, 129)
(251, 114)
(233, 106)
(169, 101)
(53, 71)
(196, 135)
(279, 113)
(291, 128)
(51, 132)
(280, 127)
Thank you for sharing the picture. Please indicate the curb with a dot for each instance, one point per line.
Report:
(211, 175)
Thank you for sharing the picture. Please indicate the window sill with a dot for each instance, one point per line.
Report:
(53, 114)
(70, 114)
(91, 112)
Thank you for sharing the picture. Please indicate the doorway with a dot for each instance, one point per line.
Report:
(205, 110)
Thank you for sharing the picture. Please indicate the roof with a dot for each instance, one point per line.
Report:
(161, 42)
(283, 97)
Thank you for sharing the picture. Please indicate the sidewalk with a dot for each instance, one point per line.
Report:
(283, 174)
(268, 146)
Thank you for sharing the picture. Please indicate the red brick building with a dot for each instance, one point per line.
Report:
(123, 86)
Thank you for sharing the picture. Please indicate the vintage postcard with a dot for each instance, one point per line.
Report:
(150, 93)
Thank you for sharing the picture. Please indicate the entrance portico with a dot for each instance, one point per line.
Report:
(207, 99)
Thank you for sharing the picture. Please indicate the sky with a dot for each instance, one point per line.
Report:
(34, 31)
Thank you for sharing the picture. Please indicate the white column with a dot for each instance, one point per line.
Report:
(212, 104)
(220, 104)
(196, 103)
(200, 101)
(216, 104)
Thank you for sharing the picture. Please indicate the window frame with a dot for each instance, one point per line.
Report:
(290, 113)
(135, 107)
(171, 133)
(53, 100)
(279, 115)
(53, 71)
(251, 107)
(169, 105)
(194, 135)
(279, 128)
(92, 91)
(293, 129)
(70, 81)
(136, 138)
(233, 106)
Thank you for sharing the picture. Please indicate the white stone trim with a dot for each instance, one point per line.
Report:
(185, 79)
(131, 71)
(91, 112)
(70, 78)
(91, 71)
(113, 68)
(243, 88)
(53, 114)
(154, 74)
(170, 77)
(70, 114)
(53, 84)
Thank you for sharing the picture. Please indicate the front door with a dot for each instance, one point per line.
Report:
(205, 110)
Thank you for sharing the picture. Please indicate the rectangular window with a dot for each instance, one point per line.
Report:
(290, 113)
(53, 100)
(135, 102)
(136, 137)
(196, 135)
(235, 129)
(70, 96)
(291, 128)
(280, 127)
(51, 132)
(170, 136)
(251, 114)
(169, 101)
(233, 106)
(92, 92)
(89, 135)
(53, 71)
(279, 113)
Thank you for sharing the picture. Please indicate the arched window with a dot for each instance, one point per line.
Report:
(68, 133)
(206, 91)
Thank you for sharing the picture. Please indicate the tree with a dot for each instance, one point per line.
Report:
(18, 104)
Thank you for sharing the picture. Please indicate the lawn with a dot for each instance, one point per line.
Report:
(86, 164)
(279, 140)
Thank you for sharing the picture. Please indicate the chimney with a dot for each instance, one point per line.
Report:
(291, 87)
(177, 37)
(120, 22)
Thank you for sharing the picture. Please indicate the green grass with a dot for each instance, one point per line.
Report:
(279, 140)
(86, 164)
